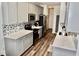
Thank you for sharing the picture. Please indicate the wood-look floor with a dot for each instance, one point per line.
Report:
(41, 48)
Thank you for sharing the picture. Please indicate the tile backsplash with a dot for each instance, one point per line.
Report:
(7, 29)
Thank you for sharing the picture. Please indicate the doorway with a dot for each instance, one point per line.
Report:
(50, 18)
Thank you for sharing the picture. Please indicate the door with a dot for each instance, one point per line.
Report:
(57, 23)
(51, 15)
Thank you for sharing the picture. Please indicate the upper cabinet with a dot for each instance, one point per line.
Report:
(31, 8)
(22, 12)
(12, 12)
(17, 12)
(9, 12)
(34, 9)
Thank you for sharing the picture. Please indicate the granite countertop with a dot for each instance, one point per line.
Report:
(65, 42)
(18, 34)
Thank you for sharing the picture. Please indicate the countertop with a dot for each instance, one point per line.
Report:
(36, 27)
(18, 34)
(65, 42)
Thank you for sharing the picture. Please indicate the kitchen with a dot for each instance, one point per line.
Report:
(32, 29)
(15, 16)
(23, 25)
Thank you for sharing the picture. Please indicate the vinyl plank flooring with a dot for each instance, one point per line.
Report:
(41, 48)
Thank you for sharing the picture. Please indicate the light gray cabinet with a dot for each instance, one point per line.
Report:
(19, 46)
(12, 12)
(22, 12)
(15, 47)
(9, 10)
(28, 41)
(17, 12)
(34, 9)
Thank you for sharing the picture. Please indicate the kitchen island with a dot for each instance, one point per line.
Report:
(18, 42)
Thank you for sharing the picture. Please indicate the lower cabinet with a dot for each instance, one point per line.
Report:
(27, 41)
(19, 46)
(15, 47)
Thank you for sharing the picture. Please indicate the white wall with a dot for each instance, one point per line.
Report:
(73, 18)
(59, 10)
(62, 14)
(45, 10)
(56, 12)
(2, 48)
(73, 21)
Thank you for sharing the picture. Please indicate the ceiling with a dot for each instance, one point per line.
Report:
(46, 3)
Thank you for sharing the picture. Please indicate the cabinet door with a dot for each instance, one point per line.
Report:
(30, 38)
(12, 12)
(19, 46)
(37, 13)
(22, 12)
(40, 10)
(30, 8)
(27, 41)
(5, 12)
(9, 10)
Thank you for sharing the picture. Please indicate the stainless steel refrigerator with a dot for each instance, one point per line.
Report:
(42, 22)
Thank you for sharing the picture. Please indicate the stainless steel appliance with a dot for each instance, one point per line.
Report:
(42, 22)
